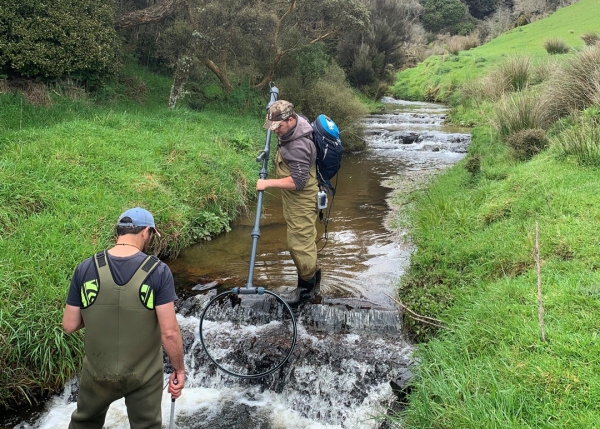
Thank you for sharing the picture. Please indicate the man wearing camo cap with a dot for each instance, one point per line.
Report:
(296, 176)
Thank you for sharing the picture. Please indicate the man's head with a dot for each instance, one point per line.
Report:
(134, 221)
(279, 116)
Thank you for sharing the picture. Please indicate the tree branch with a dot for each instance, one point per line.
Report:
(417, 317)
(149, 15)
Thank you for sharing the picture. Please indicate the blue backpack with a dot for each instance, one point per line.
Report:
(326, 137)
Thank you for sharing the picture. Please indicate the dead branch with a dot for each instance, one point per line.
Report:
(149, 15)
(417, 317)
(539, 283)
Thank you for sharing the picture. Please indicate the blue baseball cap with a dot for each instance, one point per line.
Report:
(139, 217)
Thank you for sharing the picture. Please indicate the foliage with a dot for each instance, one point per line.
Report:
(332, 96)
(555, 45)
(473, 269)
(481, 9)
(414, 83)
(61, 38)
(439, 15)
(369, 56)
(474, 231)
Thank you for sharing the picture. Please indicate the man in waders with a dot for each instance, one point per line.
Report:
(124, 299)
(296, 176)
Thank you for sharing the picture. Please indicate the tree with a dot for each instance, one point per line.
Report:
(481, 9)
(250, 38)
(372, 54)
(439, 15)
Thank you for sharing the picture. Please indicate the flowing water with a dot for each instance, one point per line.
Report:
(350, 349)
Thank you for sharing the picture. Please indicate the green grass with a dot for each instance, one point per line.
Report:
(473, 268)
(67, 172)
(474, 232)
(437, 78)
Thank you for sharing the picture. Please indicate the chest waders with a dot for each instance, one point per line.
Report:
(123, 353)
(300, 213)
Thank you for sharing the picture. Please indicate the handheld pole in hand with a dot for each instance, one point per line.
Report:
(172, 420)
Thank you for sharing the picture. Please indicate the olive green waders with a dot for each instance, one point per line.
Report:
(123, 352)
(300, 213)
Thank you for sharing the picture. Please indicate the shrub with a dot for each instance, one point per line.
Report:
(554, 45)
(527, 143)
(573, 86)
(581, 141)
(332, 96)
(58, 38)
(516, 113)
(590, 39)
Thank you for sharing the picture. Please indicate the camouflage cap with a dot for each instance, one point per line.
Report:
(277, 113)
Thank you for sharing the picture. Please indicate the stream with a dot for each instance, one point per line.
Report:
(350, 350)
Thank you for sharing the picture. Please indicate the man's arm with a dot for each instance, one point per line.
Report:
(285, 183)
(173, 345)
(72, 320)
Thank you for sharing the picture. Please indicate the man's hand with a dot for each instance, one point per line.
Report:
(176, 383)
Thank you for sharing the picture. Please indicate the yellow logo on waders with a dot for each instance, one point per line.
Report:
(89, 292)
(147, 297)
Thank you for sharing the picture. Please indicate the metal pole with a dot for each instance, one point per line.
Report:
(264, 157)
(172, 420)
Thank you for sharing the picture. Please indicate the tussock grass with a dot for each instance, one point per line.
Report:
(582, 140)
(555, 45)
(518, 112)
(516, 72)
(456, 44)
(527, 143)
(591, 38)
(573, 86)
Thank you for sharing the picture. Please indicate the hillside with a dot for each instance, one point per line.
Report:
(436, 78)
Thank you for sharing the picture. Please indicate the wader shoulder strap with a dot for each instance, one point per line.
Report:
(104, 274)
(144, 271)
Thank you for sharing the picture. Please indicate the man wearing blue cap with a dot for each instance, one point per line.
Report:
(125, 300)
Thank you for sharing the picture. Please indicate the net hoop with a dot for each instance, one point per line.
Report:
(262, 374)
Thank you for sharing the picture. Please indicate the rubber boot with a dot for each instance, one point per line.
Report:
(307, 287)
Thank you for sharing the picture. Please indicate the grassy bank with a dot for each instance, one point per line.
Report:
(68, 170)
(438, 77)
(531, 162)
